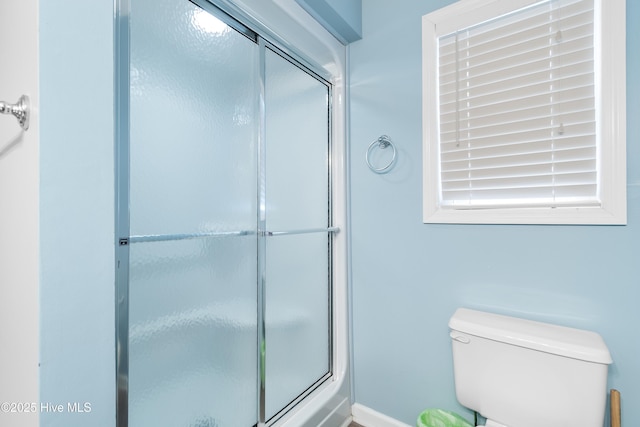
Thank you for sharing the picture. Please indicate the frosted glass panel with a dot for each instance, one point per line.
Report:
(193, 169)
(297, 147)
(297, 316)
(297, 198)
(193, 121)
(192, 333)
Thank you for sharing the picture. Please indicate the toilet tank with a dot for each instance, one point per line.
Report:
(522, 373)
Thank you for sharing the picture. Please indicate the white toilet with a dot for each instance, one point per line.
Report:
(520, 373)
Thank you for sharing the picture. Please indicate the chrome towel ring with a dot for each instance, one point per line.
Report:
(383, 142)
(20, 110)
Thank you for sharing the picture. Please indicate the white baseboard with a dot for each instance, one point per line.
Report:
(369, 418)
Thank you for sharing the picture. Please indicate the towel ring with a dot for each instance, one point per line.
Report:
(382, 142)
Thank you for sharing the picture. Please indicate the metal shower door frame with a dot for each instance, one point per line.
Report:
(265, 41)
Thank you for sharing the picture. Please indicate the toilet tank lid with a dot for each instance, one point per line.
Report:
(569, 342)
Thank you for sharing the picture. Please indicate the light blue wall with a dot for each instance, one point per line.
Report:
(77, 353)
(342, 18)
(408, 277)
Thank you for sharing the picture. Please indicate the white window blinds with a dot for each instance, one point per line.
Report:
(517, 120)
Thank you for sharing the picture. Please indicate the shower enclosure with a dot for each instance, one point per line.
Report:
(227, 238)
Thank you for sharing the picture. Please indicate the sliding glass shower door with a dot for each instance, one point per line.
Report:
(224, 221)
(192, 177)
(298, 225)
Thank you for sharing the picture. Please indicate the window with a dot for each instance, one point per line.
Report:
(524, 112)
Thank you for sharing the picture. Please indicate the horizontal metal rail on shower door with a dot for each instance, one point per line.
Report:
(304, 231)
(188, 236)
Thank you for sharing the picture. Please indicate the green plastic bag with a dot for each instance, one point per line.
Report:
(441, 418)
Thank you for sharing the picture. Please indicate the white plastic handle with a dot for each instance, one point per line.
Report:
(460, 338)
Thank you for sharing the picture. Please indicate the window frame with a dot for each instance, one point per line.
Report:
(610, 88)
